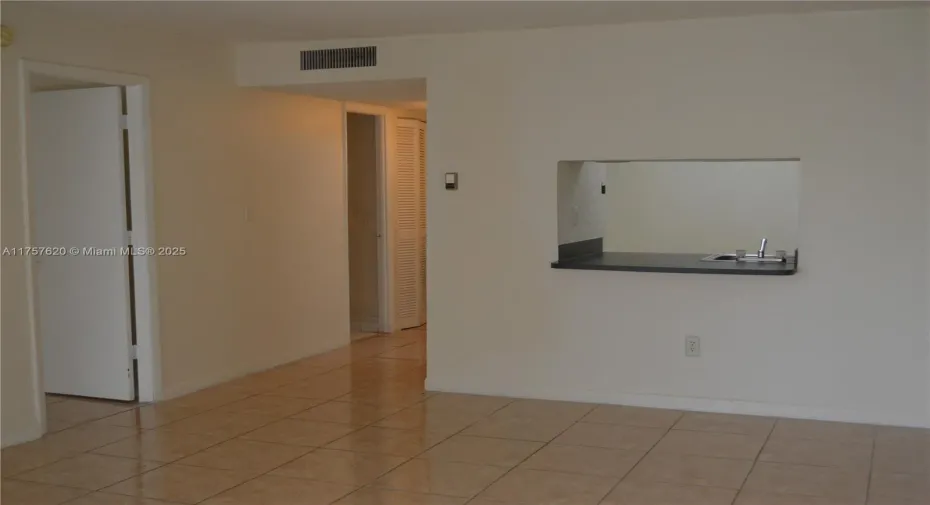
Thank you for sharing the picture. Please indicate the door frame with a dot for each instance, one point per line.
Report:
(137, 90)
(384, 120)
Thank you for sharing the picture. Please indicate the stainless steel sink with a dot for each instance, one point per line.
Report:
(737, 258)
(719, 257)
(740, 256)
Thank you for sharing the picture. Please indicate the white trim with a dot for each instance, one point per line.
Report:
(385, 118)
(141, 207)
(685, 403)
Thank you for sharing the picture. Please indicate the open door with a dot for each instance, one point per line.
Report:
(75, 157)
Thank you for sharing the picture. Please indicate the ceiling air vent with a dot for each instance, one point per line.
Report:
(344, 57)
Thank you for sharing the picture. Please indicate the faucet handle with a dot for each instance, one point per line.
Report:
(762, 247)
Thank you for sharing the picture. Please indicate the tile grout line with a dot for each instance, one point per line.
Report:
(238, 436)
(868, 483)
(543, 446)
(640, 460)
(755, 461)
(234, 437)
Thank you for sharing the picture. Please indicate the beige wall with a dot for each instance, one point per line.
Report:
(845, 92)
(362, 177)
(249, 182)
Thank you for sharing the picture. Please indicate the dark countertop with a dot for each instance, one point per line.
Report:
(673, 263)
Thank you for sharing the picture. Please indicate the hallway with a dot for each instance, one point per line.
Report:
(355, 427)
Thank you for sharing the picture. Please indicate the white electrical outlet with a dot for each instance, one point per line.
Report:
(692, 346)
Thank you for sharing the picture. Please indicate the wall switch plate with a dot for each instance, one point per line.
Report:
(692, 346)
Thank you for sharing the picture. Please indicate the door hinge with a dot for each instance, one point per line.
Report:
(134, 352)
(124, 122)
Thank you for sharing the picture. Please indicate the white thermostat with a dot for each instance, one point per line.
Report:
(452, 180)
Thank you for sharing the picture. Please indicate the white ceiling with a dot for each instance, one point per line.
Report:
(268, 20)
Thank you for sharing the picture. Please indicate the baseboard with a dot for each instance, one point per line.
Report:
(691, 404)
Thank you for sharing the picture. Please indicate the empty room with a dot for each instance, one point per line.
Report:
(668, 253)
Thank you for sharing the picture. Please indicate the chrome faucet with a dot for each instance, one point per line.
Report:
(762, 248)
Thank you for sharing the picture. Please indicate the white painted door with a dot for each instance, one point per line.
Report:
(78, 198)
(407, 226)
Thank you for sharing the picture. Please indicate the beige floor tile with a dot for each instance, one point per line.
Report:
(183, 484)
(273, 406)
(726, 423)
(355, 414)
(380, 496)
(483, 451)
(75, 410)
(691, 470)
(441, 477)
(344, 467)
(413, 352)
(255, 385)
(757, 498)
(51, 398)
(23, 457)
(88, 471)
(887, 500)
(660, 493)
(823, 430)
(384, 398)
(475, 404)
(538, 487)
(430, 418)
(88, 436)
(902, 452)
(207, 399)
(586, 460)
(612, 436)
(807, 480)
(117, 499)
(160, 445)
(388, 441)
(301, 370)
(519, 428)
(846, 455)
(149, 416)
(298, 432)
(276, 490)
(633, 416)
(246, 456)
(53, 424)
(319, 389)
(30, 493)
(705, 443)
(892, 434)
(227, 424)
(545, 409)
(905, 486)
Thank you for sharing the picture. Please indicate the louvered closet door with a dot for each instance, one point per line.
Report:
(407, 227)
(421, 174)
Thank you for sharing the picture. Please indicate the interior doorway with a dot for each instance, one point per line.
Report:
(86, 166)
(364, 201)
